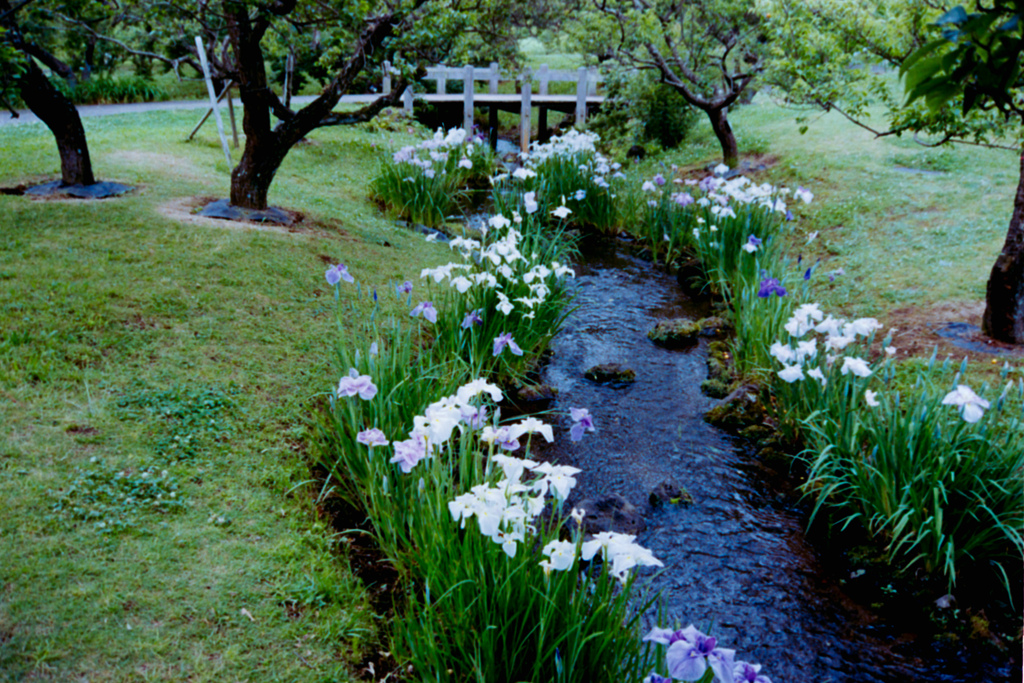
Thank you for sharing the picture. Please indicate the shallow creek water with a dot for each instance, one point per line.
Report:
(737, 563)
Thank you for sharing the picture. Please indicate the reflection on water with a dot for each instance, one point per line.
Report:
(737, 562)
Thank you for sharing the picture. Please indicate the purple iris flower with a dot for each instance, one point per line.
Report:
(655, 678)
(583, 421)
(404, 288)
(503, 340)
(472, 318)
(659, 180)
(503, 437)
(748, 673)
(707, 184)
(427, 309)
(336, 274)
(789, 215)
(754, 241)
(769, 286)
(691, 652)
(807, 273)
(473, 416)
(353, 383)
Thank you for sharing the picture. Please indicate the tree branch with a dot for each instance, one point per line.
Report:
(367, 112)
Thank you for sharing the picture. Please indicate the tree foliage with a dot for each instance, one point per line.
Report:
(839, 55)
(709, 51)
(977, 59)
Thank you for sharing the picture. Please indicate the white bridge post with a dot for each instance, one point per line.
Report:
(407, 101)
(467, 100)
(524, 112)
(581, 97)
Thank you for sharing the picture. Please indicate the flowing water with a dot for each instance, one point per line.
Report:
(737, 563)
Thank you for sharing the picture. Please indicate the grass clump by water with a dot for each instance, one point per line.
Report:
(424, 182)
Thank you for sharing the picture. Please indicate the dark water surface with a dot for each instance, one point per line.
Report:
(736, 561)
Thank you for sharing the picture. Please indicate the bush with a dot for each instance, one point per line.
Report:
(639, 109)
(107, 90)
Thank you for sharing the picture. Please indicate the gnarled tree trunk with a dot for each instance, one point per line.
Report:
(266, 147)
(56, 111)
(726, 138)
(61, 117)
(1004, 298)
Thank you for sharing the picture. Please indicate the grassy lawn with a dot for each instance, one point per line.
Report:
(132, 344)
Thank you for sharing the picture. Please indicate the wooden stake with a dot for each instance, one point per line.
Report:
(207, 114)
(213, 100)
(581, 97)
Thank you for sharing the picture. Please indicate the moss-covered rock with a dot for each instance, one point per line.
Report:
(668, 492)
(720, 363)
(715, 388)
(757, 433)
(676, 333)
(536, 396)
(739, 409)
(714, 326)
(611, 372)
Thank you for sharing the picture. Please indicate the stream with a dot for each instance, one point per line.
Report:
(737, 563)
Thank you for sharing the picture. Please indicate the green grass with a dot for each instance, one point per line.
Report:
(145, 342)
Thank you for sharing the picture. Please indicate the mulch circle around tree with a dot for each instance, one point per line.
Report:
(223, 209)
(970, 337)
(100, 190)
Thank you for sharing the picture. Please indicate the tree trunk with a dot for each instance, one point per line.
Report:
(61, 117)
(726, 138)
(266, 147)
(1004, 298)
(52, 108)
(251, 179)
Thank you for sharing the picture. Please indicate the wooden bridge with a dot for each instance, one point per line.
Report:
(521, 102)
(451, 105)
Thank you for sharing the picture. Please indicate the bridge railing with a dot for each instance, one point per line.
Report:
(586, 80)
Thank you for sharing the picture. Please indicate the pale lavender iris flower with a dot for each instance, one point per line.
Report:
(336, 274)
(583, 421)
(472, 318)
(354, 383)
(427, 309)
(503, 340)
(372, 437)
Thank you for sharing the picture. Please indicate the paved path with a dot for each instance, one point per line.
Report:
(84, 110)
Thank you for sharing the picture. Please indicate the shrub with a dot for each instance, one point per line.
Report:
(111, 90)
(639, 108)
